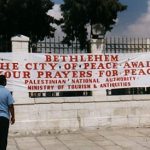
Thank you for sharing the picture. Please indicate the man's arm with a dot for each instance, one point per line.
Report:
(12, 112)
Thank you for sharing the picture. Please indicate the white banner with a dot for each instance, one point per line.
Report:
(74, 72)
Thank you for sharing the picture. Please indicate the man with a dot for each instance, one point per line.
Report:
(6, 112)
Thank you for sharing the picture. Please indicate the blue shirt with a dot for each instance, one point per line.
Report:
(6, 99)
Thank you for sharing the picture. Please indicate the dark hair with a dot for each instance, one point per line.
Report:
(2, 80)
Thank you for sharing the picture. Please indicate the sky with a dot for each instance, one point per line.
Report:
(133, 22)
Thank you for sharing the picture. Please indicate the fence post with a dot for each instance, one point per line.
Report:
(148, 44)
(20, 44)
(98, 46)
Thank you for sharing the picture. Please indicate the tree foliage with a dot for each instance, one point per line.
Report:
(78, 14)
(27, 17)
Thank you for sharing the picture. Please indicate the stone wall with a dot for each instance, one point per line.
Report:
(72, 113)
(64, 114)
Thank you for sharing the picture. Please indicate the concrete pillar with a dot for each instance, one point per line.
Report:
(148, 43)
(97, 46)
(20, 44)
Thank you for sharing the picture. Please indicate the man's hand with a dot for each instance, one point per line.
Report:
(12, 113)
(12, 121)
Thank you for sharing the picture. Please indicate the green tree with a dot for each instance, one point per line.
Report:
(78, 14)
(27, 17)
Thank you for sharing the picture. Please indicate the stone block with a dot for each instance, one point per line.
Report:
(90, 122)
(68, 106)
(119, 121)
(104, 121)
(46, 100)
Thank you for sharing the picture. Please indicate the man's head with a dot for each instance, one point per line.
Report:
(3, 80)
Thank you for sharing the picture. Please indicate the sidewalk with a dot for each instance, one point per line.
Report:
(103, 139)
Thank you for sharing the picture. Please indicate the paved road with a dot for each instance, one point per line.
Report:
(104, 139)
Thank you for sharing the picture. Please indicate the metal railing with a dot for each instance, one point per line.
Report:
(127, 45)
(54, 45)
(112, 45)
